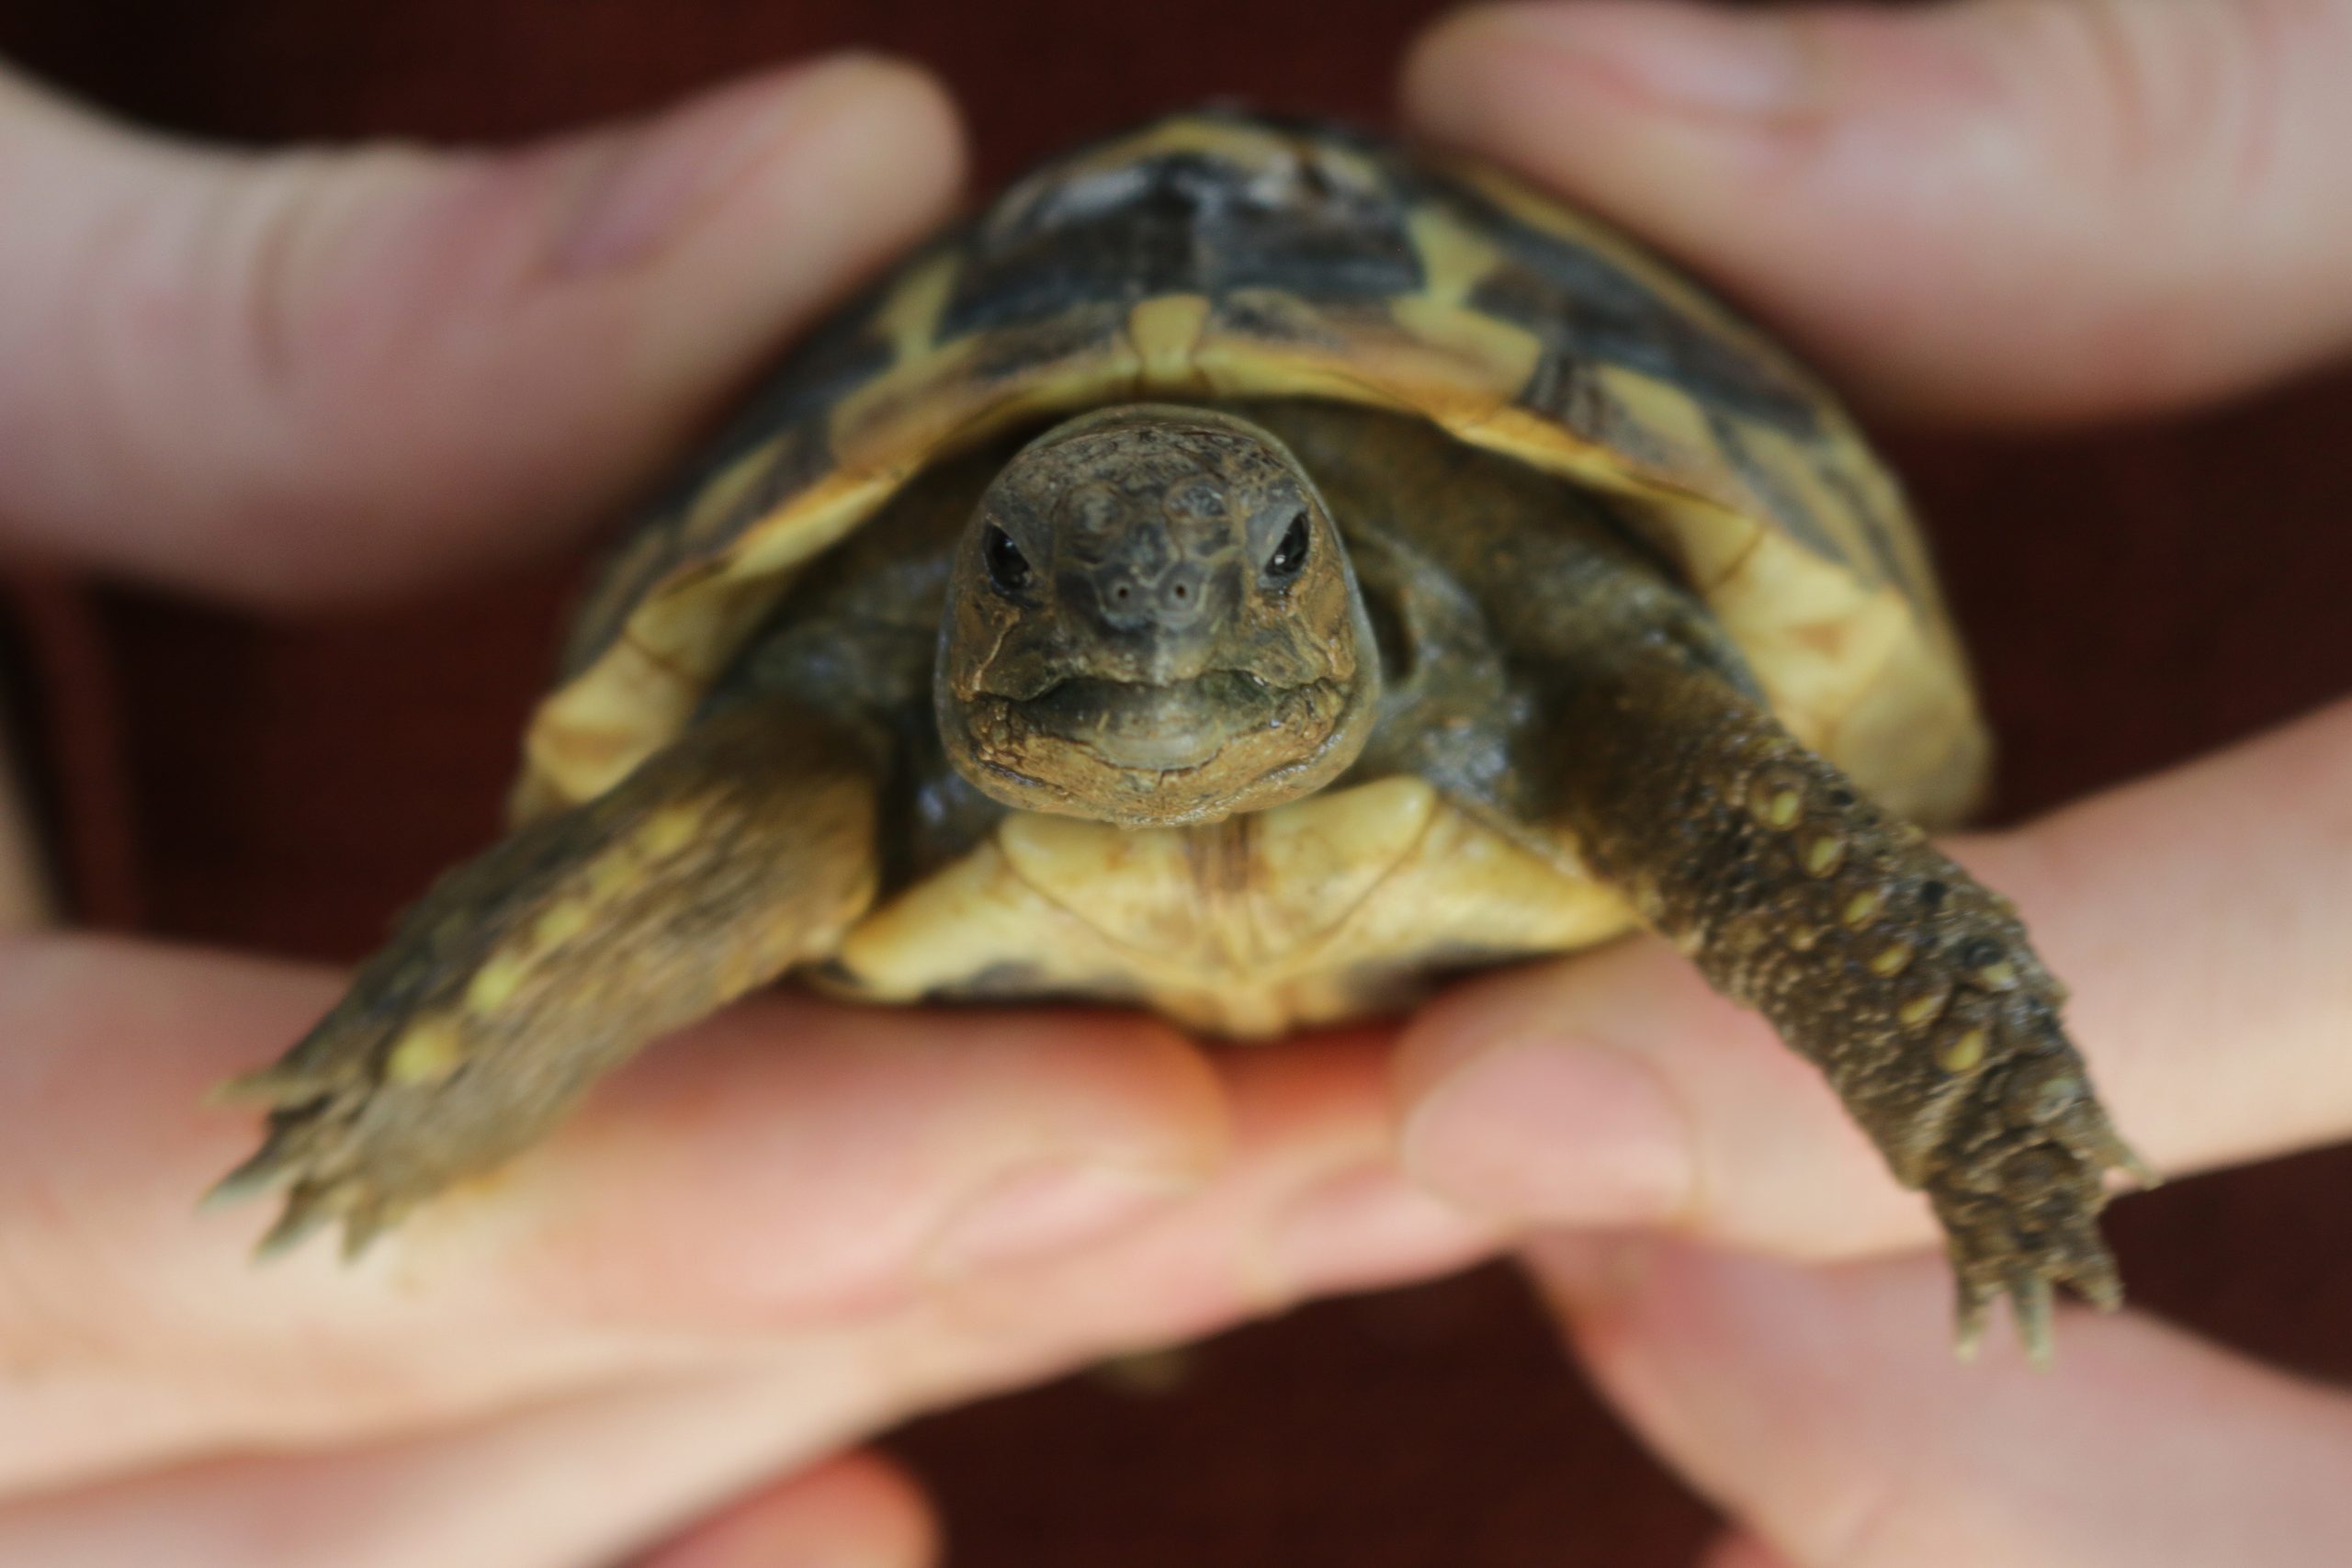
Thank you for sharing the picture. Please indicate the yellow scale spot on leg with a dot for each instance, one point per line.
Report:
(429, 1053)
(1862, 908)
(1963, 1052)
(495, 983)
(1920, 1009)
(670, 830)
(1776, 804)
(560, 924)
(1891, 960)
(1998, 977)
(615, 873)
(1822, 856)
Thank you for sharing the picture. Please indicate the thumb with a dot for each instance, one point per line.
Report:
(316, 373)
(1997, 208)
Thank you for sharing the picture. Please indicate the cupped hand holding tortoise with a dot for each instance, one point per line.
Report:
(292, 379)
(1999, 212)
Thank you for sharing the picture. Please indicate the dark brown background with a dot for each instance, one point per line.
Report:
(2134, 597)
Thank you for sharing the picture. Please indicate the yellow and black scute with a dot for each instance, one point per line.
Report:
(1226, 255)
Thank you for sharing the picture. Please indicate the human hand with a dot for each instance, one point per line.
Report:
(294, 378)
(2021, 210)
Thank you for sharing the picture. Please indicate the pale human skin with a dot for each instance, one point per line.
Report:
(592, 1315)
(290, 381)
(1996, 211)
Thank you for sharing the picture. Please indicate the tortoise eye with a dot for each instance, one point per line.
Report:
(1007, 568)
(1290, 556)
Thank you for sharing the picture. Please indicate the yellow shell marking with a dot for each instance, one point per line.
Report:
(1166, 331)
(909, 317)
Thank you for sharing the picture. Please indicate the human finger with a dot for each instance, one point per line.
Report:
(574, 1484)
(2199, 917)
(297, 375)
(859, 1512)
(1811, 1406)
(2004, 209)
(789, 1163)
(889, 1193)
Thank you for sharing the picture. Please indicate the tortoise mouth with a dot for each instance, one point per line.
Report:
(1158, 753)
(1176, 726)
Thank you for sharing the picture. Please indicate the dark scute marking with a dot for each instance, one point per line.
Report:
(1023, 983)
(1012, 353)
(1786, 509)
(1892, 564)
(1179, 223)
(842, 354)
(793, 401)
(1269, 317)
(1003, 980)
(1563, 387)
(803, 455)
(1583, 304)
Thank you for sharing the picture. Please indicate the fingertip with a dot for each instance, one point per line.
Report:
(880, 131)
(1533, 1119)
(1661, 57)
(1740, 1549)
(891, 139)
(862, 1511)
(1998, 211)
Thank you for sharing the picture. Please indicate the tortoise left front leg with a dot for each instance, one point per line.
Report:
(1910, 985)
(745, 847)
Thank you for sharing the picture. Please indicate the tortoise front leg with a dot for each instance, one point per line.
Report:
(1911, 985)
(519, 978)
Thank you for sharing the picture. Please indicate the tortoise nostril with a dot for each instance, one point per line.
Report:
(1183, 591)
(1122, 593)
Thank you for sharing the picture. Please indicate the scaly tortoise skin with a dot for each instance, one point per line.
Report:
(1250, 571)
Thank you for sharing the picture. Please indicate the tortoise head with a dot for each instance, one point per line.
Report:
(1152, 621)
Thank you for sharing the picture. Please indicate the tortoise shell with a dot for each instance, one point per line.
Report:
(1221, 255)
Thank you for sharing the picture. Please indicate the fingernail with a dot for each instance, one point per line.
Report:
(1681, 56)
(648, 184)
(1370, 1226)
(1555, 1131)
(1039, 1210)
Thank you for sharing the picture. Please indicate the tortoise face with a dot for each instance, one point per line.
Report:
(1152, 620)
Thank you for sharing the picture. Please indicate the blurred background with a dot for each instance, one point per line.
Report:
(2134, 597)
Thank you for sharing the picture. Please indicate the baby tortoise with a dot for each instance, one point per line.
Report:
(1249, 571)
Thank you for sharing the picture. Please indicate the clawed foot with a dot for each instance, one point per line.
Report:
(2019, 1192)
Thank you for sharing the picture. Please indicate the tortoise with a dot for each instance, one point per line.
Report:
(1252, 570)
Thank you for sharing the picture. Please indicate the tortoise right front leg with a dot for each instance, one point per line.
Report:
(1908, 983)
(746, 847)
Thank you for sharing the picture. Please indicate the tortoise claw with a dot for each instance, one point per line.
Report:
(264, 1172)
(307, 1211)
(2031, 1301)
